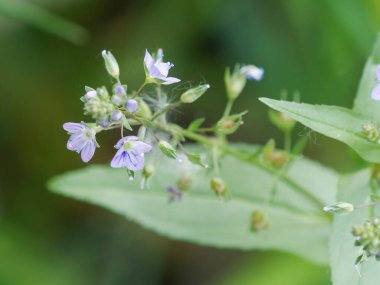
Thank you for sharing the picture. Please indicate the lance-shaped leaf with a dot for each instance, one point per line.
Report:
(355, 189)
(296, 222)
(336, 122)
(364, 104)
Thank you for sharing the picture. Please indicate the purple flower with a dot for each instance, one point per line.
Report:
(375, 94)
(130, 153)
(82, 140)
(157, 71)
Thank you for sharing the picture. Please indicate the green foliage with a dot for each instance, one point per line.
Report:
(34, 15)
(364, 104)
(296, 222)
(336, 122)
(354, 188)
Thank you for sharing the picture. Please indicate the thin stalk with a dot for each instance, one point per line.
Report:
(288, 141)
(229, 105)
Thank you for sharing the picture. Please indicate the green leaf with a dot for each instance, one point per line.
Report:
(296, 223)
(126, 124)
(364, 104)
(354, 188)
(194, 125)
(336, 122)
(30, 13)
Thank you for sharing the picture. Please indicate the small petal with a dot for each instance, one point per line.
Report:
(88, 151)
(375, 94)
(170, 80)
(142, 147)
(119, 159)
(378, 73)
(134, 161)
(76, 142)
(148, 59)
(73, 127)
(164, 67)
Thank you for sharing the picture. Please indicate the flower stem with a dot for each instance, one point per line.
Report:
(229, 105)
(139, 90)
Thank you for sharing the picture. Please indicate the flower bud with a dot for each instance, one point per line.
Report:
(194, 93)
(372, 132)
(116, 116)
(234, 82)
(339, 208)
(167, 149)
(282, 121)
(131, 105)
(258, 221)
(111, 64)
(198, 158)
(148, 170)
(184, 182)
(116, 99)
(104, 123)
(219, 186)
(229, 124)
(120, 89)
(89, 95)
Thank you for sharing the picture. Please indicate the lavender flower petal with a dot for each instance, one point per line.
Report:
(88, 151)
(375, 94)
(73, 127)
(170, 80)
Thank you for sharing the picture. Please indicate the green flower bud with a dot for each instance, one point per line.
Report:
(274, 157)
(258, 221)
(198, 158)
(229, 124)
(219, 186)
(148, 170)
(282, 121)
(372, 132)
(167, 149)
(194, 93)
(184, 182)
(111, 64)
(339, 208)
(234, 82)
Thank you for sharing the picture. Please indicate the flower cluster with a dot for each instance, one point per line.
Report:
(367, 236)
(119, 108)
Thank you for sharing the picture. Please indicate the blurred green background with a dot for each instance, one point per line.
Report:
(316, 48)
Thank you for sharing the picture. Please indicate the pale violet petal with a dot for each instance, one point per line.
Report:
(134, 161)
(148, 59)
(378, 73)
(88, 151)
(142, 147)
(119, 160)
(170, 80)
(73, 127)
(76, 142)
(154, 72)
(375, 94)
(164, 67)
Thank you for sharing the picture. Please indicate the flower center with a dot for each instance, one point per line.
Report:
(127, 145)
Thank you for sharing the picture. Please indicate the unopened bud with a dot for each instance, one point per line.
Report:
(111, 64)
(282, 121)
(234, 82)
(120, 89)
(219, 186)
(167, 149)
(89, 95)
(258, 221)
(184, 182)
(148, 170)
(104, 123)
(194, 93)
(116, 116)
(252, 72)
(229, 124)
(131, 105)
(339, 208)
